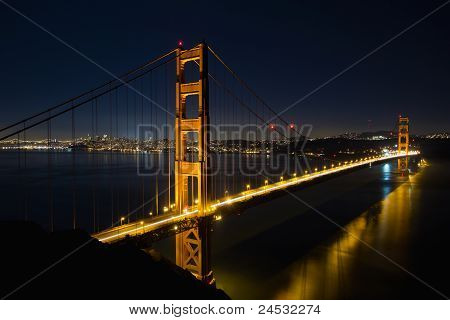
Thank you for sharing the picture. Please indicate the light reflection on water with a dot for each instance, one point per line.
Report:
(283, 250)
(329, 270)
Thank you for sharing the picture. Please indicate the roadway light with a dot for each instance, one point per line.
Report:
(316, 169)
(175, 227)
(281, 178)
(150, 213)
(196, 201)
(121, 220)
(248, 187)
(165, 209)
(306, 171)
(295, 174)
(324, 167)
(266, 182)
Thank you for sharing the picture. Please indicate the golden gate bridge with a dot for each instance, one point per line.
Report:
(183, 116)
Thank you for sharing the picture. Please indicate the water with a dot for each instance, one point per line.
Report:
(102, 187)
(394, 245)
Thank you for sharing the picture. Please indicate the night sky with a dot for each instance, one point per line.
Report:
(282, 49)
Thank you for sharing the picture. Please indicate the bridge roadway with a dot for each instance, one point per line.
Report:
(171, 219)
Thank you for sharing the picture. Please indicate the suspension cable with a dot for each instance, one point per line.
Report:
(234, 74)
(125, 82)
(145, 65)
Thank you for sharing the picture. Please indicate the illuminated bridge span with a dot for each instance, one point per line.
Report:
(180, 127)
(173, 220)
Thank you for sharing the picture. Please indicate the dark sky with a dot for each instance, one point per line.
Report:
(282, 49)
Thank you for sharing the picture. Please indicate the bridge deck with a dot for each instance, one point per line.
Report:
(165, 220)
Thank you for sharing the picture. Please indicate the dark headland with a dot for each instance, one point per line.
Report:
(36, 264)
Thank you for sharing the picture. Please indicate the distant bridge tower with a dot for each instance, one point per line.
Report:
(193, 245)
(403, 142)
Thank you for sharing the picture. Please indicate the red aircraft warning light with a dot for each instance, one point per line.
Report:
(180, 43)
(291, 126)
(272, 126)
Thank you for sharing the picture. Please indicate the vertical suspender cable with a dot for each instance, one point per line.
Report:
(110, 159)
(128, 141)
(25, 170)
(74, 212)
(93, 144)
(141, 137)
(49, 177)
(18, 168)
(167, 131)
(118, 149)
(157, 155)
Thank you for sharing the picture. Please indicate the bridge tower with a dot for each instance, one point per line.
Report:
(403, 142)
(193, 245)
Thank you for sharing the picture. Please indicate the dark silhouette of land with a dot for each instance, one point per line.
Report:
(34, 267)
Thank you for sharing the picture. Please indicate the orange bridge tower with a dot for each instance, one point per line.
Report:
(192, 245)
(403, 143)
